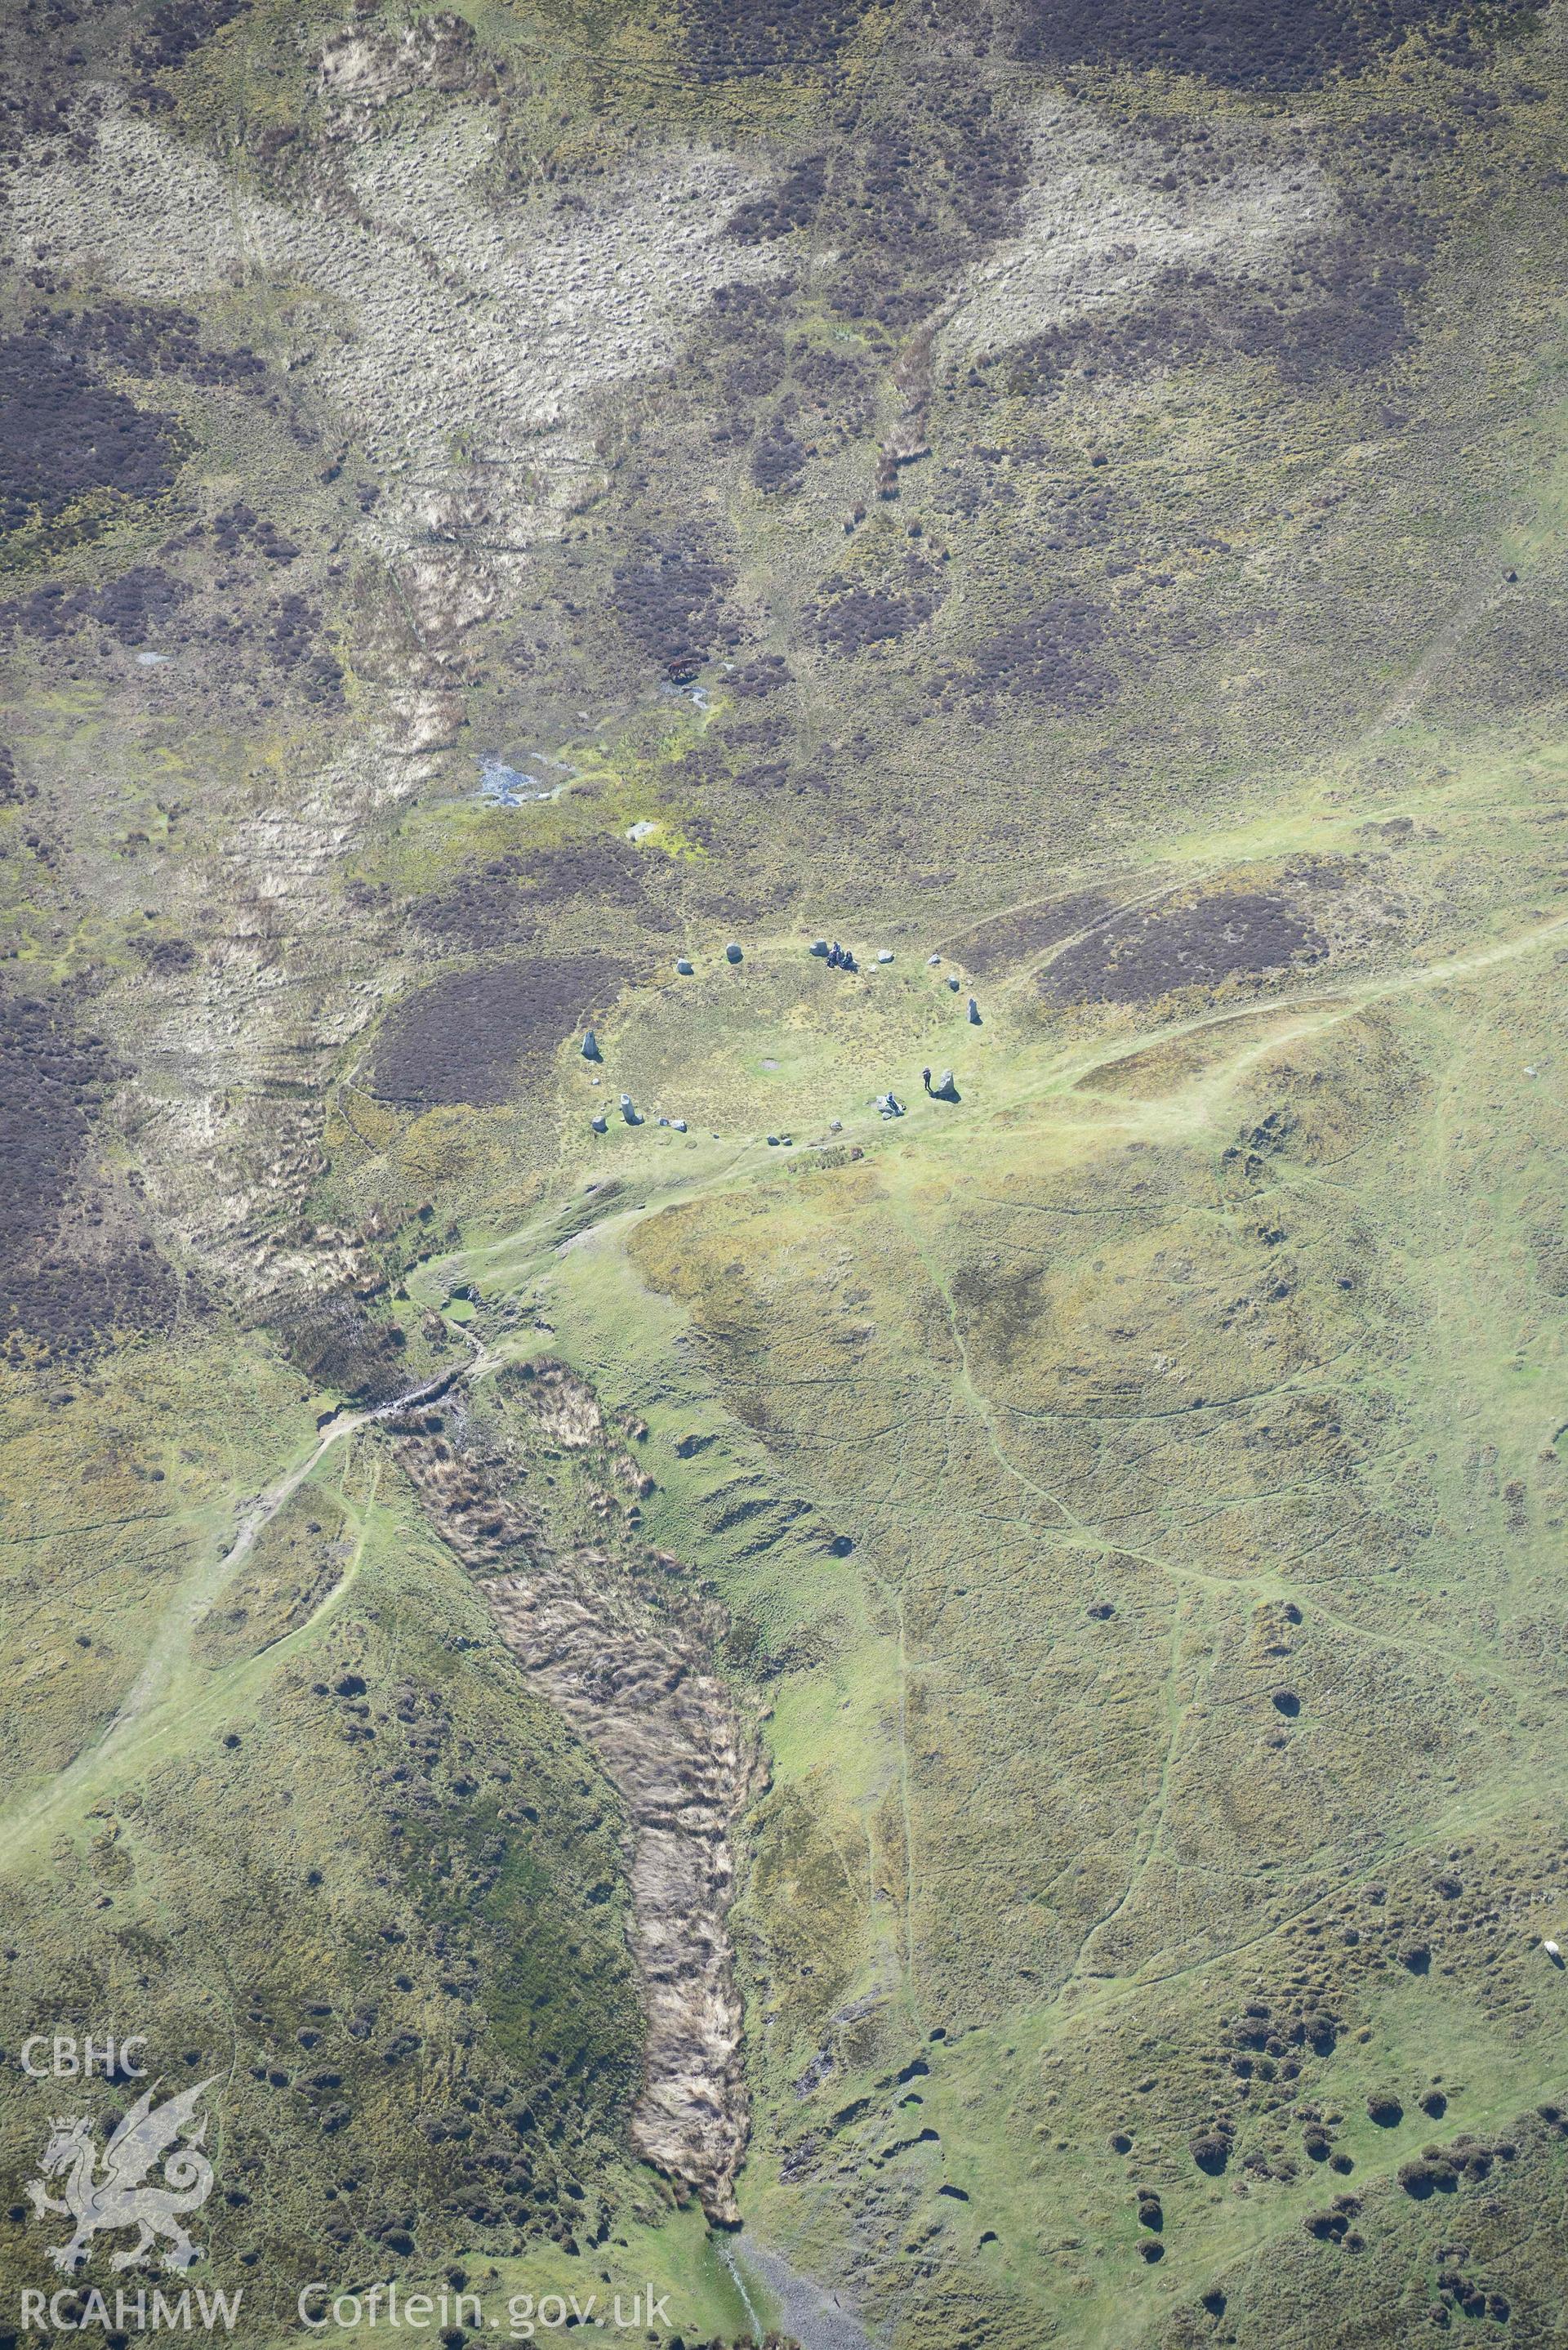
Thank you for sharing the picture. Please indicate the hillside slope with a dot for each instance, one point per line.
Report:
(909, 1599)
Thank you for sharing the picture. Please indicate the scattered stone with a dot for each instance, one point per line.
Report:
(953, 982)
(835, 1126)
(931, 962)
(818, 946)
(680, 1124)
(889, 1105)
(885, 955)
(734, 954)
(685, 966)
(600, 1123)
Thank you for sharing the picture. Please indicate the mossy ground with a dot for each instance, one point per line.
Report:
(1136, 1488)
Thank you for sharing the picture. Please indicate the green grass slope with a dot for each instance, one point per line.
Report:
(500, 501)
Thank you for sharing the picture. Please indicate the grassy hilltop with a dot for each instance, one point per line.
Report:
(977, 1690)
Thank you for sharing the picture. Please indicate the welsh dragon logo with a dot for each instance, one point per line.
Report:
(118, 2196)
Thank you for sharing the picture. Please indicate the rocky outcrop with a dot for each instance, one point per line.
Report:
(563, 1406)
(670, 1737)
(473, 326)
(484, 1524)
(619, 1646)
